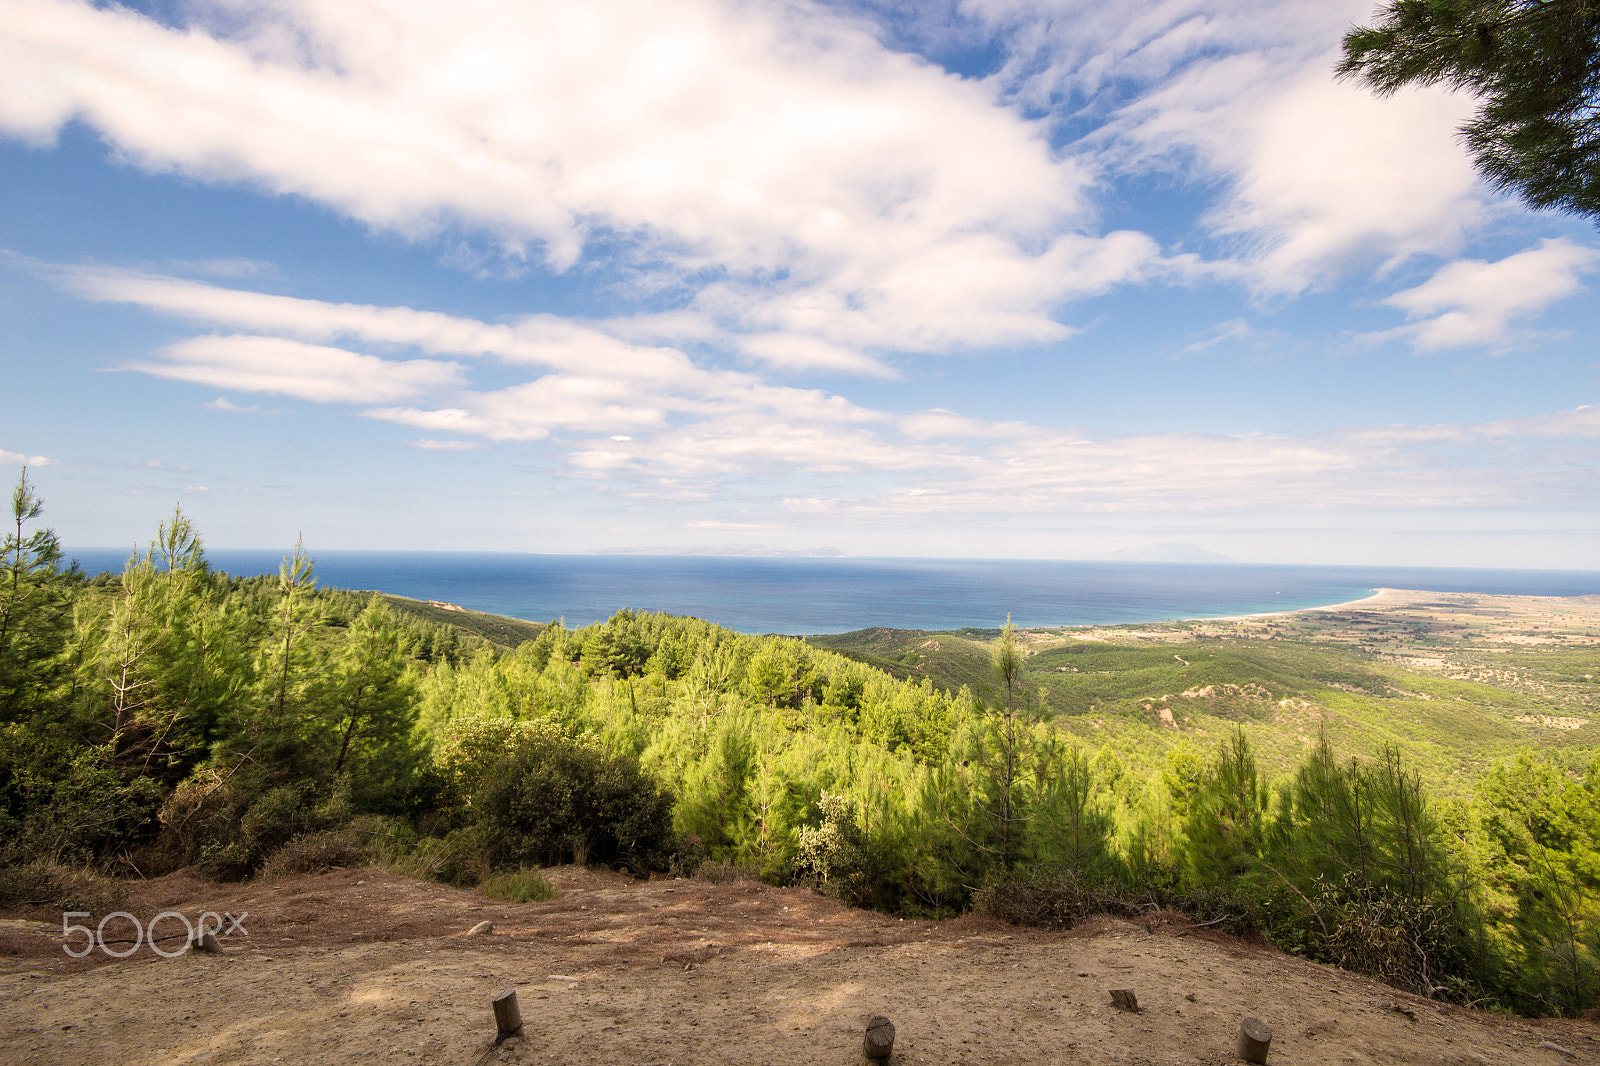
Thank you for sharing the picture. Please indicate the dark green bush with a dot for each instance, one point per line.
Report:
(1423, 946)
(315, 853)
(554, 799)
(227, 828)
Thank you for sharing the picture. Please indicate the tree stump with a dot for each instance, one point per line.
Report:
(1124, 999)
(879, 1041)
(507, 1015)
(1254, 1040)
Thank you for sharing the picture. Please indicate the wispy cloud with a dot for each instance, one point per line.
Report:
(1240, 93)
(227, 406)
(711, 523)
(1231, 330)
(291, 368)
(1478, 304)
(838, 193)
(20, 459)
(446, 445)
(653, 422)
(590, 382)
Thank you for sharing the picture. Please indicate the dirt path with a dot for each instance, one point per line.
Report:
(359, 966)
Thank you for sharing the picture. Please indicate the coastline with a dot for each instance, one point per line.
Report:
(1387, 598)
(1378, 596)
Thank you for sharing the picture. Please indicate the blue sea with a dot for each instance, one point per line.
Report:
(805, 595)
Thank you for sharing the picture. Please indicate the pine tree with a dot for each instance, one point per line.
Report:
(35, 609)
(1533, 64)
(374, 707)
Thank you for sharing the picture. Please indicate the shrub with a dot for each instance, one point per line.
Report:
(1422, 946)
(58, 805)
(68, 888)
(31, 882)
(553, 799)
(518, 886)
(722, 873)
(1061, 896)
(315, 853)
(836, 855)
(223, 826)
(1052, 898)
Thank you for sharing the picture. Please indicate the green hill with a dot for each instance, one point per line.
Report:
(1478, 696)
(497, 629)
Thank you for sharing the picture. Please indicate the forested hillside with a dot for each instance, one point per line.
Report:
(174, 716)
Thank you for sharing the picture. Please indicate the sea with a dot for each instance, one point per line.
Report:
(839, 595)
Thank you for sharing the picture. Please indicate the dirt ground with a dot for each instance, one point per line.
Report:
(360, 966)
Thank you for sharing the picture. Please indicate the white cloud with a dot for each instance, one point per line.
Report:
(1321, 177)
(1476, 303)
(227, 406)
(20, 459)
(446, 445)
(841, 192)
(1232, 329)
(711, 523)
(1325, 174)
(552, 403)
(1581, 422)
(306, 371)
(598, 383)
(656, 425)
(940, 424)
(541, 340)
(803, 352)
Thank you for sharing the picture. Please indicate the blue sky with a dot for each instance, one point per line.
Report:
(997, 278)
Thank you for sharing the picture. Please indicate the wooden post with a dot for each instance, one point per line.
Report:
(879, 1041)
(1124, 999)
(1254, 1040)
(507, 1015)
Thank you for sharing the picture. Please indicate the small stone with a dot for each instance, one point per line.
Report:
(1551, 1045)
(207, 942)
(879, 1041)
(481, 929)
(1124, 999)
(1189, 997)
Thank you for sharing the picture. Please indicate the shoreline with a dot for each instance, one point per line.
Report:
(1378, 594)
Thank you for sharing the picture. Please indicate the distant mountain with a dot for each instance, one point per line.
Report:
(751, 550)
(1169, 553)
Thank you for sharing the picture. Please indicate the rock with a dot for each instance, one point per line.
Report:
(1255, 1039)
(481, 929)
(206, 942)
(1550, 1045)
(879, 1041)
(1124, 999)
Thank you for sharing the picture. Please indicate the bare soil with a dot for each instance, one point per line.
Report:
(359, 966)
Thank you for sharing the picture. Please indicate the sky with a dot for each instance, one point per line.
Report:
(982, 278)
